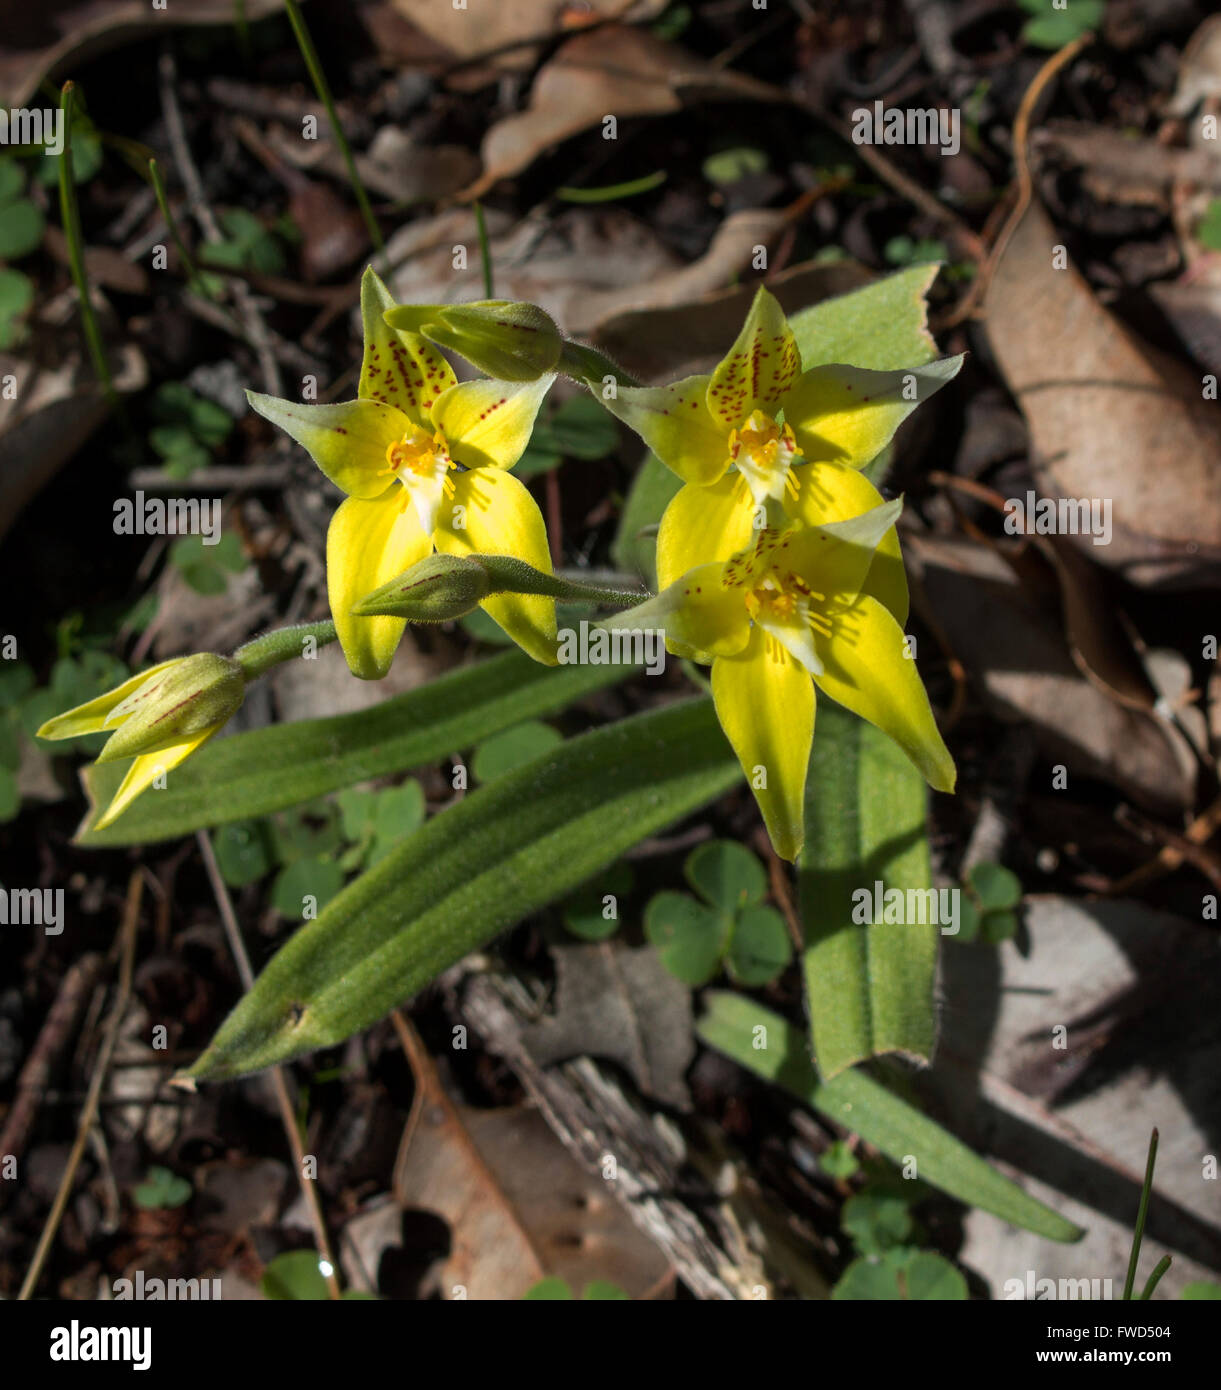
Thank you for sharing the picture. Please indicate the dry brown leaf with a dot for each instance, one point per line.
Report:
(1110, 417)
(485, 25)
(623, 1005)
(57, 403)
(668, 340)
(519, 1207)
(1015, 653)
(37, 39)
(1199, 69)
(585, 266)
(612, 72)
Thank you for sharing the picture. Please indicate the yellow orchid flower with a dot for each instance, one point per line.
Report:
(424, 461)
(159, 717)
(785, 615)
(759, 442)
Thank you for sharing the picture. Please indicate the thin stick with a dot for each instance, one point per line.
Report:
(35, 1078)
(310, 54)
(70, 212)
(1025, 180)
(256, 331)
(1141, 1212)
(193, 276)
(127, 947)
(279, 1084)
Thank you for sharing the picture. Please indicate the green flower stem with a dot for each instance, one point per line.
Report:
(588, 365)
(283, 644)
(509, 575)
(70, 213)
(322, 87)
(485, 250)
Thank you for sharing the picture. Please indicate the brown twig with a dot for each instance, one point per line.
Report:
(252, 321)
(127, 953)
(35, 1079)
(1169, 858)
(279, 1083)
(1025, 180)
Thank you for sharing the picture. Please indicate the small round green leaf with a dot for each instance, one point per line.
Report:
(838, 1160)
(603, 1290)
(243, 852)
(759, 948)
(998, 926)
(728, 166)
(161, 1189)
(310, 882)
(21, 225)
(594, 911)
(726, 874)
(295, 1275)
(995, 885)
(876, 1221)
(551, 1289)
(969, 918)
(689, 937)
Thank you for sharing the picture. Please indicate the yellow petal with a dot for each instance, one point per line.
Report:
(759, 369)
(849, 414)
(765, 702)
(145, 770)
(674, 422)
(367, 545)
(703, 524)
(835, 558)
(867, 672)
(487, 424)
(699, 615)
(347, 441)
(90, 718)
(493, 513)
(399, 369)
(832, 492)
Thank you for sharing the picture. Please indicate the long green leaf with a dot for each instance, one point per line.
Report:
(251, 774)
(501, 853)
(772, 1048)
(869, 986)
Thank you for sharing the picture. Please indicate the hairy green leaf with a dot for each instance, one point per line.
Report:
(774, 1049)
(251, 774)
(480, 866)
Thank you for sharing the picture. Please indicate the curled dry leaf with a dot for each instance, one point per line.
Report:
(670, 340)
(469, 33)
(1110, 417)
(627, 72)
(583, 267)
(519, 1207)
(1015, 653)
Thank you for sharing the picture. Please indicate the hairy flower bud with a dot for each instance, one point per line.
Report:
(177, 702)
(434, 590)
(506, 339)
